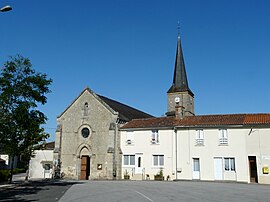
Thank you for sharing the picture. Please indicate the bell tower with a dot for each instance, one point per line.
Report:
(180, 97)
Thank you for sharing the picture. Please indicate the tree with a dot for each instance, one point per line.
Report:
(22, 89)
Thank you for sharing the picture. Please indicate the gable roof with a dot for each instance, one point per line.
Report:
(125, 112)
(200, 121)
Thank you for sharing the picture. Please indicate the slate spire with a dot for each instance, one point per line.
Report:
(180, 82)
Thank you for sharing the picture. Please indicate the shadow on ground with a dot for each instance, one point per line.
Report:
(47, 190)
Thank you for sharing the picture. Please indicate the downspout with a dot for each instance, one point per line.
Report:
(115, 148)
(175, 132)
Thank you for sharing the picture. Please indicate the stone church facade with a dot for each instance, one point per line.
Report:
(87, 140)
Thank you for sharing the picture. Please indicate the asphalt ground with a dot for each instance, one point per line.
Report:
(132, 191)
(40, 190)
(156, 191)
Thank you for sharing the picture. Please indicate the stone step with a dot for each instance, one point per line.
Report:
(137, 177)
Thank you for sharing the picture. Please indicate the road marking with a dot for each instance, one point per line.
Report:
(144, 196)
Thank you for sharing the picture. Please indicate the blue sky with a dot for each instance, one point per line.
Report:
(125, 50)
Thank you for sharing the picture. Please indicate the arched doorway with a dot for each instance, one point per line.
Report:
(85, 164)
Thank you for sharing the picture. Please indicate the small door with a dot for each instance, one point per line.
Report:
(138, 163)
(218, 168)
(253, 169)
(196, 169)
(85, 167)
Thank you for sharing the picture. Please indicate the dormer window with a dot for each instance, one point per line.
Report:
(155, 137)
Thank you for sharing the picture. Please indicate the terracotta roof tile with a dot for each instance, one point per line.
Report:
(151, 123)
(212, 120)
(202, 120)
(257, 119)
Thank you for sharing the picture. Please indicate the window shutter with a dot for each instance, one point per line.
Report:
(225, 134)
(197, 134)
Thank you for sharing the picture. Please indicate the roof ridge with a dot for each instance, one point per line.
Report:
(218, 120)
(232, 114)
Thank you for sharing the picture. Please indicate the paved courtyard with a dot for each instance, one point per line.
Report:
(154, 191)
(42, 191)
(132, 191)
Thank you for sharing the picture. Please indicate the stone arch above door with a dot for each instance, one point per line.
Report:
(83, 150)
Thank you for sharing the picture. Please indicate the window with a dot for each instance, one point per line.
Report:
(199, 137)
(129, 160)
(158, 160)
(155, 137)
(85, 109)
(229, 164)
(130, 137)
(47, 166)
(223, 136)
(85, 132)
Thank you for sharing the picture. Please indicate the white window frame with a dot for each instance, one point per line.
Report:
(199, 140)
(229, 164)
(160, 160)
(129, 160)
(223, 137)
(155, 137)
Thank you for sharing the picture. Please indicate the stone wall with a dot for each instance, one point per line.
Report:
(88, 111)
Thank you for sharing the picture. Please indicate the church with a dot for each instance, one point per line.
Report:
(100, 138)
(87, 139)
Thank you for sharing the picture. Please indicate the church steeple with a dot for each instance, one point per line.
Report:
(180, 82)
(179, 95)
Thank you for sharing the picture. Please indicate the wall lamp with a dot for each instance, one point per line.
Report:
(5, 8)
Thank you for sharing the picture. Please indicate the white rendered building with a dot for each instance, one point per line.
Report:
(232, 147)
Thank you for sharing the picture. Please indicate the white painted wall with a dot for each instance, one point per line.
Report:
(236, 148)
(141, 145)
(241, 144)
(258, 144)
(36, 169)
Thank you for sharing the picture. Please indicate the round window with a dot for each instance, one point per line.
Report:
(85, 132)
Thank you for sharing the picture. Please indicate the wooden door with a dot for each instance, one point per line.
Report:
(85, 167)
(253, 169)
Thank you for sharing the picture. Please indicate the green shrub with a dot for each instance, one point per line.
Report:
(4, 175)
(159, 175)
(19, 170)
